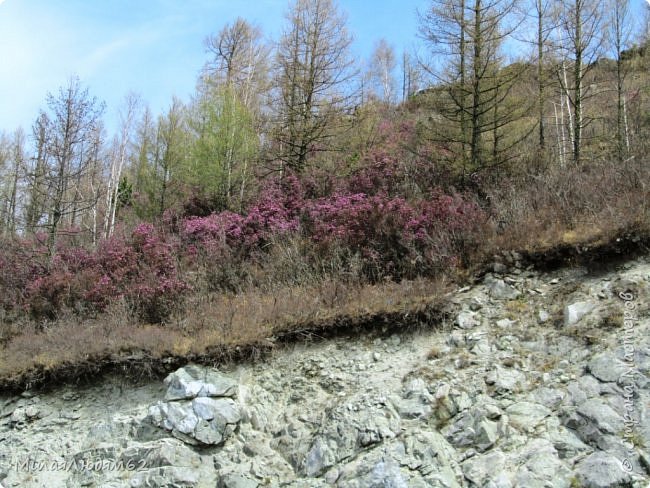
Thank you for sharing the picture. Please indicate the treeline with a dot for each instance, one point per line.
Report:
(497, 86)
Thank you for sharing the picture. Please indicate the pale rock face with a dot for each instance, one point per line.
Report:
(508, 400)
(574, 312)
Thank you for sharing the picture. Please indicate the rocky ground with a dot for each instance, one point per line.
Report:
(541, 380)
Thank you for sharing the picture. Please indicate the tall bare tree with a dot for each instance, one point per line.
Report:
(580, 41)
(619, 36)
(37, 188)
(468, 35)
(71, 134)
(382, 67)
(313, 68)
(13, 162)
(118, 160)
(239, 61)
(411, 75)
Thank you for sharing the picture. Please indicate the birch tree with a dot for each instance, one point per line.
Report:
(580, 42)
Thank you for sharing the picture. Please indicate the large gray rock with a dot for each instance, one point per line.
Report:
(602, 415)
(207, 421)
(540, 467)
(468, 319)
(236, 480)
(156, 454)
(526, 415)
(506, 380)
(607, 367)
(195, 381)
(472, 428)
(499, 290)
(485, 467)
(165, 477)
(601, 470)
(346, 431)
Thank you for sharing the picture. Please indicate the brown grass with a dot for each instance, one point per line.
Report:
(211, 326)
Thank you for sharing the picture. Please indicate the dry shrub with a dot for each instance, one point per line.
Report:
(568, 205)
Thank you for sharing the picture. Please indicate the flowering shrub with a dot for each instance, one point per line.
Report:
(141, 269)
(391, 234)
(380, 232)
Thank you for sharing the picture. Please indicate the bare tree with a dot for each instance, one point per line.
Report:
(580, 42)
(240, 61)
(411, 75)
(619, 34)
(118, 159)
(313, 67)
(71, 136)
(382, 69)
(37, 190)
(542, 11)
(13, 158)
(468, 36)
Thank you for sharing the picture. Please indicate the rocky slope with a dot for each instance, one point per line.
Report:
(540, 381)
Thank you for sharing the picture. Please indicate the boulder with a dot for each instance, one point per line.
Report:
(601, 470)
(205, 421)
(498, 289)
(607, 367)
(194, 381)
(574, 312)
(526, 415)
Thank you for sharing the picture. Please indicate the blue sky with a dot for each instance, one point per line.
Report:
(151, 47)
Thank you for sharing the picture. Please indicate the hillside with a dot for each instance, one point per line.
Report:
(535, 379)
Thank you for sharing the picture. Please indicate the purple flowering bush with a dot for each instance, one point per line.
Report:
(358, 219)
(140, 269)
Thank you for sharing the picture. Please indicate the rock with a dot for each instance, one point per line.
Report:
(526, 416)
(582, 389)
(499, 290)
(475, 304)
(574, 312)
(543, 316)
(486, 435)
(607, 367)
(472, 428)
(549, 397)
(567, 443)
(468, 320)
(540, 467)
(499, 268)
(165, 477)
(346, 431)
(506, 380)
(384, 474)
(164, 452)
(505, 323)
(601, 470)
(483, 468)
(208, 421)
(236, 480)
(223, 409)
(605, 419)
(32, 412)
(194, 381)
(18, 416)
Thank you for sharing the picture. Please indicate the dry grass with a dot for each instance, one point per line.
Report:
(572, 206)
(210, 325)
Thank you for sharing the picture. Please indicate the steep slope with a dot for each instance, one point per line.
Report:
(541, 380)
